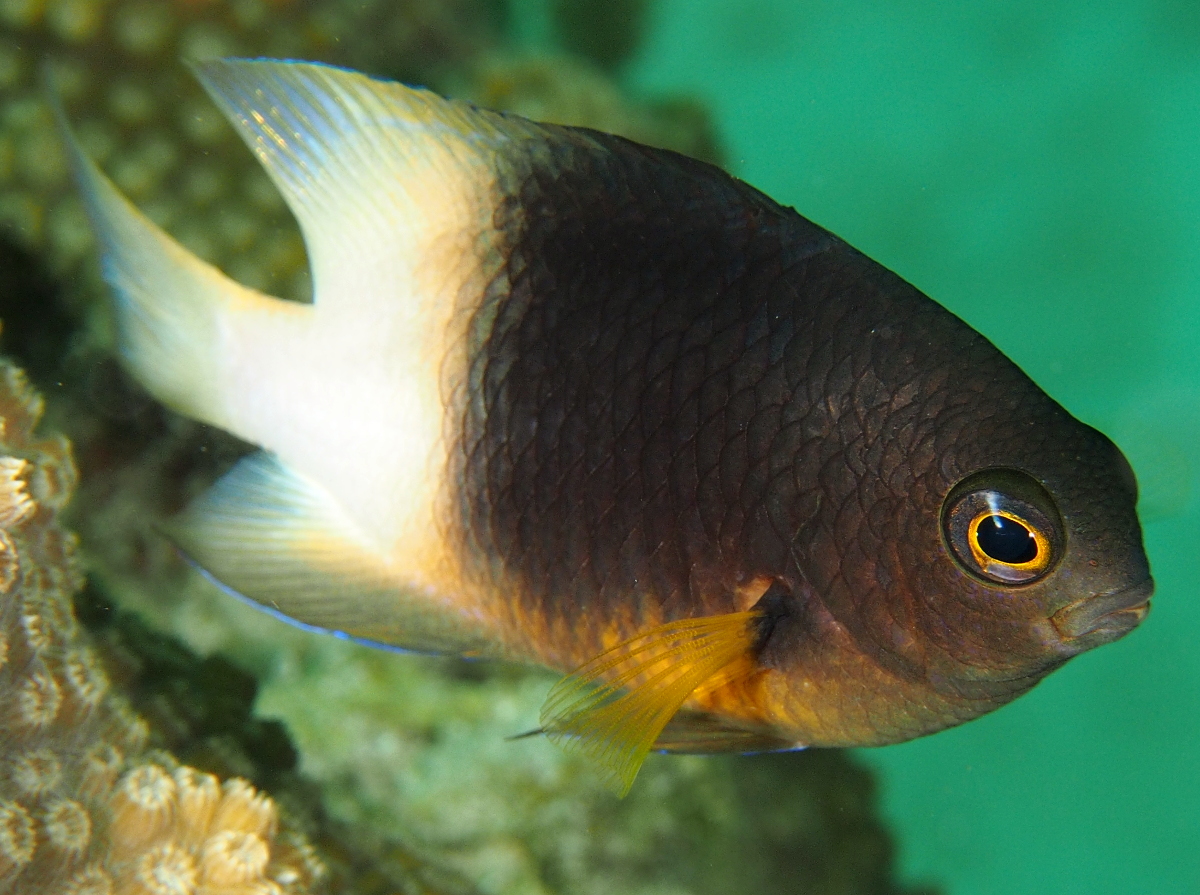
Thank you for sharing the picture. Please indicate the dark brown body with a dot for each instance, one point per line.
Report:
(557, 390)
(682, 392)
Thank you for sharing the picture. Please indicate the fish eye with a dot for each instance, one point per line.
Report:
(1002, 526)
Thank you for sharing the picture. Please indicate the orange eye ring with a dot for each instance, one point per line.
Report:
(999, 568)
(1002, 527)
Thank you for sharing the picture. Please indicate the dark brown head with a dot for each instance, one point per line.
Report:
(975, 538)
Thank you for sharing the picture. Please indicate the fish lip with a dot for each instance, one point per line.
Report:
(1105, 617)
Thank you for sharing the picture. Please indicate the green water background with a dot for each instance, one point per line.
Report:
(1036, 168)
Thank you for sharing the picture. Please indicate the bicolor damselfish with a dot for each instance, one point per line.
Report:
(564, 399)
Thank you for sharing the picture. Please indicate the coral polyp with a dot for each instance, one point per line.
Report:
(84, 807)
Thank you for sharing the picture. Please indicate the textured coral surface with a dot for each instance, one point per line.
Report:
(84, 808)
(118, 65)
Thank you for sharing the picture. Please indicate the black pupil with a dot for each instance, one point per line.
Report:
(1006, 540)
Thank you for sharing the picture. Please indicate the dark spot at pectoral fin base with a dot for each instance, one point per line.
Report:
(700, 733)
(280, 541)
(614, 708)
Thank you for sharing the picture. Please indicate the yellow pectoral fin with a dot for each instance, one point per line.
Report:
(614, 708)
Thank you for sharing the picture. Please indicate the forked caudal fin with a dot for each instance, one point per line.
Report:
(389, 185)
(334, 525)
(175, 313)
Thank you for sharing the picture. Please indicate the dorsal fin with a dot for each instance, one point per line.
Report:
(360, 161)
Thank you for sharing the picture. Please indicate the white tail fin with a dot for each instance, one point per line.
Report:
(174, 312)
(340, 525)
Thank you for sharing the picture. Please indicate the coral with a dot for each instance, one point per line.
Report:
(183, 831)
(200, 709)
(117, 64)
(84, 807)
(140, 114)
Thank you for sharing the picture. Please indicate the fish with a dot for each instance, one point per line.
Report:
(566, 400)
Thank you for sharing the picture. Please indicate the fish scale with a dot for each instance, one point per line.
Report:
(568, 400)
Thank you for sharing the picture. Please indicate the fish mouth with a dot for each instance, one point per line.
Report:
(1104, 617)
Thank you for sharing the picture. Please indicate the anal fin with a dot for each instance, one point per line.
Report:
(280, 541)
(615, 707)
(700, 733)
